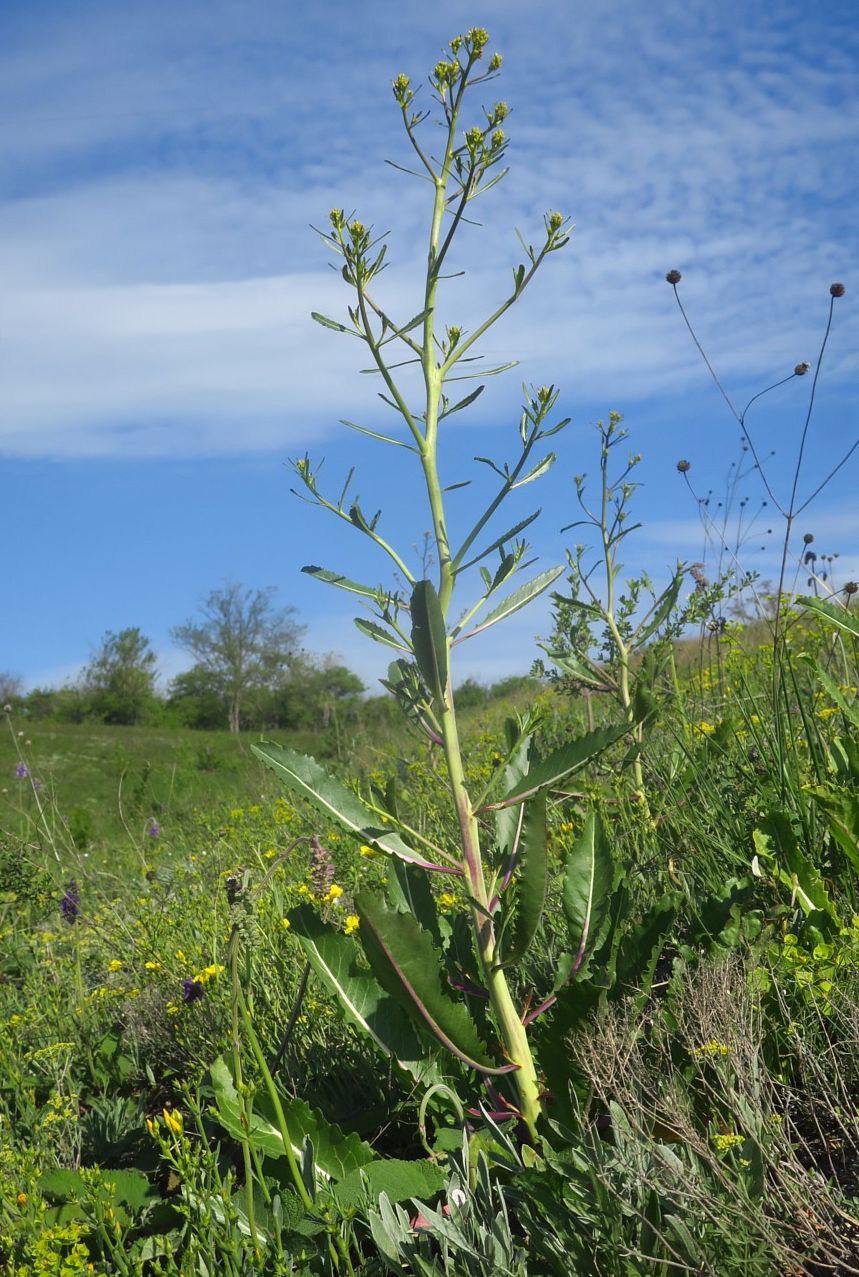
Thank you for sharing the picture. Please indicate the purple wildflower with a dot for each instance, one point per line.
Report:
(70, 905)
(192, 990)
(321, 866)
(21, 771)
(154, 829)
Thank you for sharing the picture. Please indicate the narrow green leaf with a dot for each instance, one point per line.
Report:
(377, 434)
(365, 1003)
(532, 870)
(662, 609)
(329, 323)
(518, 599)
(849, 709)
(541, 468)
(377, 632)
(342, 582)
(502, 540)
(463, 403)
(640, 948)
(508, 819)
(407, 964)
(588, 879)
(568, 663)
(843, 618)
(543, 773)
(303, 775)
(429, 638)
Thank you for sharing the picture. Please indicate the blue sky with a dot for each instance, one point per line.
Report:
(158, 365)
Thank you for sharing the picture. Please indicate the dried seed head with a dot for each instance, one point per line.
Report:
(674, 277)
(837, 290)
(801, 369)
(808, 538)
(684, 466)
(850, 588)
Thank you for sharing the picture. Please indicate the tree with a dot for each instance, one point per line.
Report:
(120, 678)
(11, 687)
(195, 702)
(242, 642)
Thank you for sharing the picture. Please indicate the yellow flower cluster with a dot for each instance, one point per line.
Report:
(446, 901)
(352, 924)
(706, 729)
(332, 894)
(723, 1143)
(208, 973)
(712, 1048)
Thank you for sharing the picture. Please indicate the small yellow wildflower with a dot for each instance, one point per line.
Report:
(706, 729)
(172, 1008)
(712, 1048)
(723, 1143)
(285, 923)
(152, 966)
(352, 924)
(755, 718)
(366, 850)
(151, 1128)
(114, 965)
(446, 901)
(173, 1121)
(180, 955)
(828, 712)
(333, 893)
(303, 890)
(208, 973)
(22, 1200)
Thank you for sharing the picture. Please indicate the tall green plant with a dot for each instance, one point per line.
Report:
(504, 877)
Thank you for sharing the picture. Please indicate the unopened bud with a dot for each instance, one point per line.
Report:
(495, 62)
(674, 277)
(554, 221)
(837, 290)
(477, 38)
(684, 466)
(801, 369)
(850, 588)
(808, 538)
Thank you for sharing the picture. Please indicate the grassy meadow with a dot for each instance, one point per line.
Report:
(700, 1076)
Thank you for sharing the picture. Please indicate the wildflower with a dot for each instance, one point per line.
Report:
(285, 923)
(151, 1128)
(22, 1200)
(850, 588)
(21, 771)
(366, 850)
(808, 538)
(706, 729)
(208, 973)
(674, 277)
(827, 712)
(322, 866)
(554, 221)
(801, 369)
(192, 990)
(114, 965)
(154, 829)
(446, 901)
(173, 1121)
(332, 894)
(755, 719)
(723, 1143)
(684, 466)
(352, 924)
(495, 62)
(180, 955)
(837, 290)
(712, 1048)
(70, 905)
(233, 888)
(172, 1008)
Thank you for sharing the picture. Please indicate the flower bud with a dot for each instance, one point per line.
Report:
(850, 588)
(801, 369)
(476, 38)
(837, 290)
(500, 112)
(336, 218)
(808, 538)
(495, 62)
(684, 466)
(554, 221)
(674, 277)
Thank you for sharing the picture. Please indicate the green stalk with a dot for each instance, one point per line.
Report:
(240, 1091)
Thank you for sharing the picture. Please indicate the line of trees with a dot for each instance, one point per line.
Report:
(249, 671)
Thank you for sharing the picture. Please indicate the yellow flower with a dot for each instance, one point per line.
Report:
(152, 966)
(706, 729)
(285, 923)
(303, 890)
(722, 1143)
(712, 1048)
(208, 973)
(173, 1121)
(828, 712)
(22, 1200)
(352, 923)
(151, 1128)
(180, 954)
(446, 901)
(755, 718)
(114, 965)
(366, 850)
(271, 853)
(172, 1008)
(333, 893)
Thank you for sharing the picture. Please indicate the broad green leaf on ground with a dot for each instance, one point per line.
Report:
(544, 773)
(429, 639)
(304, 776)
(401, 1180)
(408, 965)
(587, 888)
(336, 1153)
(365, 1003)
(532, 869)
